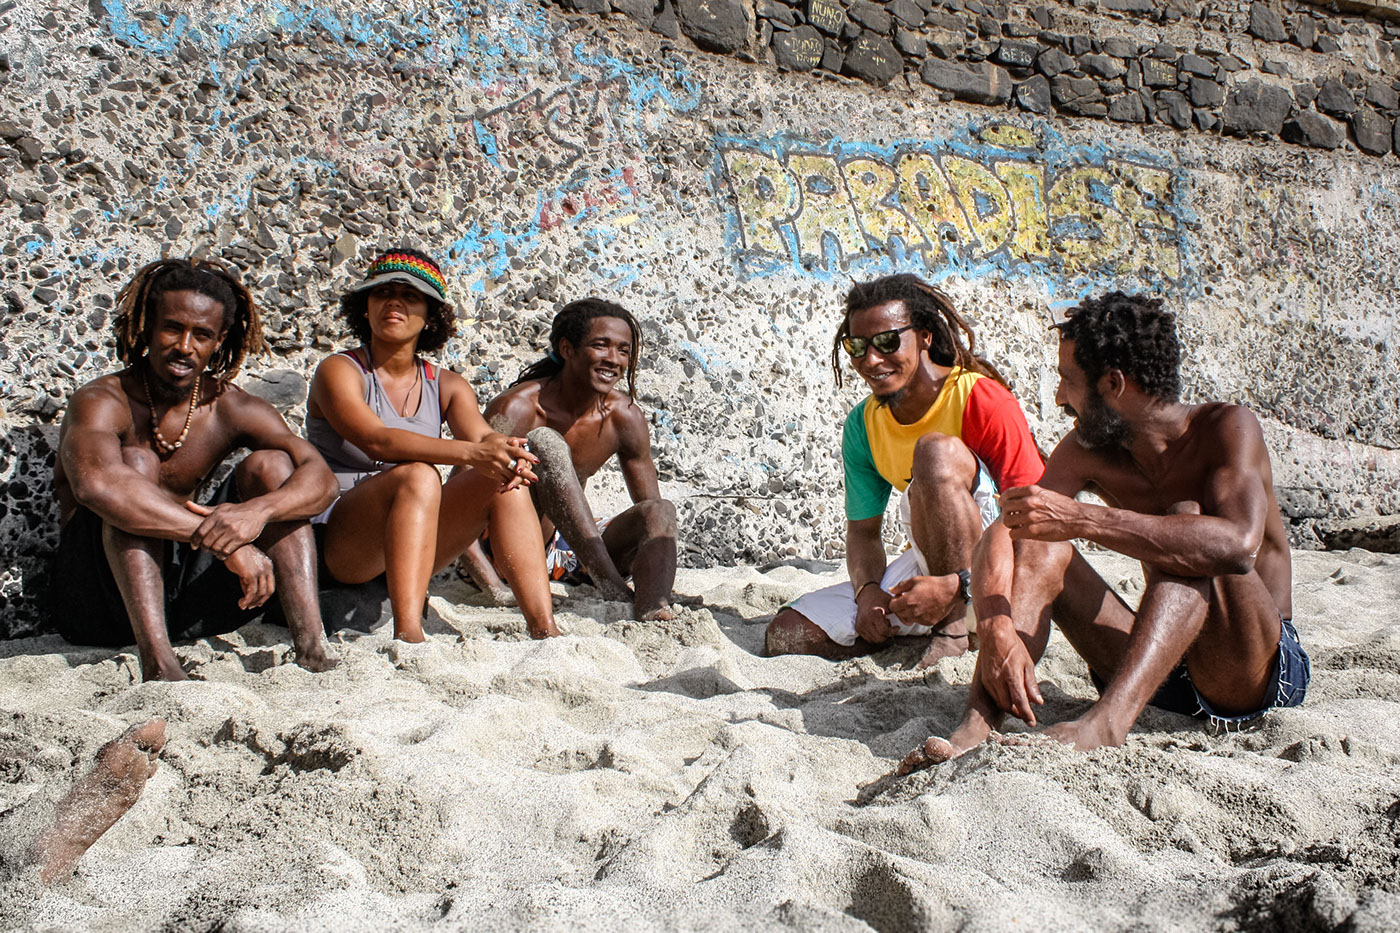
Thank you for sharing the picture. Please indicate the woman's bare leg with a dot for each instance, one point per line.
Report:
(388, 524)
(470, 502)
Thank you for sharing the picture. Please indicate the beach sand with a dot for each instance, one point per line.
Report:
(664, 775)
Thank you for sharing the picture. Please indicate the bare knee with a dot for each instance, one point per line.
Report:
(261, 472)
(943, 460)
(419, 482)
(659, 516)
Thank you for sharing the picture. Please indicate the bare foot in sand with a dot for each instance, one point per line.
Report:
(162, 666)
(1085, 734)
(99, 799)
(979, 723)
(948, 642)
(659, 614)
(547, 630)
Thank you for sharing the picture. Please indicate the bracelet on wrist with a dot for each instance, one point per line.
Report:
(862, 587)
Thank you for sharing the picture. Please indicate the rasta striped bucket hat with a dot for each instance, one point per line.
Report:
(408, 266)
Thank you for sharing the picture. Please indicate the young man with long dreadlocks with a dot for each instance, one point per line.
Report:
(138, 558)
(569, 406)
(940, 426)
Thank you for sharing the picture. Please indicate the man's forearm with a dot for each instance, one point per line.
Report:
(139, 507)
(1181, 545)
(865, 560)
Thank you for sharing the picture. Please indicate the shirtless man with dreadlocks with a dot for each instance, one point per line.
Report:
(940, 426)
(569, 406)
(138, 559)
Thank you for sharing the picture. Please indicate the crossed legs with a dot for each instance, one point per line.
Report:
(945, 524)
(138, 566)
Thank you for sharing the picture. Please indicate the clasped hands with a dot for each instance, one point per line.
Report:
(228, 532)
(924, 600)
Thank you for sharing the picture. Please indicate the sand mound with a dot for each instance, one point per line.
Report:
(642, 775)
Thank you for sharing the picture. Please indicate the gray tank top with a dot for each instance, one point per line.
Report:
(349, 463)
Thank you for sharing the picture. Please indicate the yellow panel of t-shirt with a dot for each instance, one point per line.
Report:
(892, 443)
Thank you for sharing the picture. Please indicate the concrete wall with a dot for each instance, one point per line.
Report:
(1022, 157)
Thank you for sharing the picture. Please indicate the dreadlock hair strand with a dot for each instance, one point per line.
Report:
(929, 309)
(139, 300)
(571, 324)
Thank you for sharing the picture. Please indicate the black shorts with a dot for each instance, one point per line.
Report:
(201, 594)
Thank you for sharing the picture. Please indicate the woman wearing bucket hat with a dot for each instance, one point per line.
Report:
(376, 414)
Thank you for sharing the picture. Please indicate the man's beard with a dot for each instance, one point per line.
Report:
(892, 398)
(1100, 427)
(164, 392)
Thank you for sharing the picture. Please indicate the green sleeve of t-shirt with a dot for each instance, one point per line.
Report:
(867, 492)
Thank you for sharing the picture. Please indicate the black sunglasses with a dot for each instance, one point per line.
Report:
(886, 341)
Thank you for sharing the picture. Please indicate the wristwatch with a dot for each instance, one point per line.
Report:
(965, 585)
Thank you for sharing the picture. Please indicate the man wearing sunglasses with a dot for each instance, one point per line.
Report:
(1190, 494)
(939, 426)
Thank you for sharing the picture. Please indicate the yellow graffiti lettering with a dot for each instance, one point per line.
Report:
(872, 184)
(767, 197)
(1143, 196)
(927, 198)
(1025, 182)
(826, 208)
(1085, 228)
(985, 200)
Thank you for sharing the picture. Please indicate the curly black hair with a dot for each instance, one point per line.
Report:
(441, 323)
(1129, 333)
(571, 324)
(138, 300)
(930, 309)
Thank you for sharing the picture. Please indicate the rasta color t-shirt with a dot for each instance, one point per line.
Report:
(878, 451)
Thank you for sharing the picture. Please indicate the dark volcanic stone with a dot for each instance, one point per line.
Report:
(910, 43)
(1304, 93)
(1395, 141)
(1173, 108)
(906, 12)
(1140, 7)
(593, 7)
(1315, 130)
(1383, 96)
(874, 59)
(980, 83)
(1304, 32)
(1017, 54)
(1033, 94)
(666, 24)
(1052, 62)
(1334, 98)
(1371, 131)
(1119, 47)
(1196, 65)
(284, 389)
(1206, 93)
(30, 150)
(832, 59)
(1127, 108)
(1326, 45)
(777, 12)
(798, 50)
(1078, 96)
(870, 15)
(714, 25)
(1256, 107)
(643, 11)
(1102, 66)
(1158, 73)
(827, 15)
(1266, 23)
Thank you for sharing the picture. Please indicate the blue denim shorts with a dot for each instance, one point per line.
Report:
(1288, 684)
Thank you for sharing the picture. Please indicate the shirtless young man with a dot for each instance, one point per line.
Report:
(576, 419)
(137, 559)
(1190, 494)
(940, 427)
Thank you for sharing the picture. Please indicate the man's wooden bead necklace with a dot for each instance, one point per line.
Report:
(162, 445)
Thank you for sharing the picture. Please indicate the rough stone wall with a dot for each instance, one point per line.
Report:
(706, 165)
